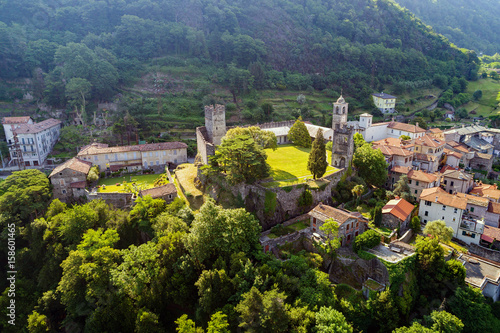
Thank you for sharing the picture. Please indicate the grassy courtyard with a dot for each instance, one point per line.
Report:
(289, 165)
(142, 182)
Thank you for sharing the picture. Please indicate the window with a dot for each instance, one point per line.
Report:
(347, 228)
(106, 157)
(151, 163)
(150, 154)
(415, 191)
(409, 181)
(472, 209)
(445, 182)
(145, 164)
(426, 213)
(157, 162)
(156, 154)
(451, 183)
(417, 182)
(455, 210)
(444, 207)
(428, 203)
(95, 158)
(425, 221)
(175, 151)
(64, 191)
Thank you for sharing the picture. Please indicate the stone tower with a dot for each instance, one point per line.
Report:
(343, 140)
(215, 123)
(340, 109)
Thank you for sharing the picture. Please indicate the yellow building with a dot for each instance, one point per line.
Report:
(384, 102)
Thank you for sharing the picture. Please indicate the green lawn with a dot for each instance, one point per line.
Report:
(485, 106)
(289, 165)
(142, 182)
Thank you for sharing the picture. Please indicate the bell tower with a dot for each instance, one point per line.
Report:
(340, 110)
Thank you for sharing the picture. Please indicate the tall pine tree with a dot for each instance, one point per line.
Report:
(317, 158)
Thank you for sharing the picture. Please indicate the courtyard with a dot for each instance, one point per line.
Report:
(289, 165)
(123, 184)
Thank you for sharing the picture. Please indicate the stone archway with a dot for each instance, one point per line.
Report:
(342, 163)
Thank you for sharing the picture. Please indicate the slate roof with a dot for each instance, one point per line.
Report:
(478, 144)
(104, 149)
(38, 127)
(158, 192)
(279, 131)
(74, 164)
(467, 130)
(405, 127)
(384, 96)
(437, 194)
(480, 271)
(323, 212)
(399, 208)
(16, 120)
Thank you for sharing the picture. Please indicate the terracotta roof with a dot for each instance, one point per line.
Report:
(429, 141)
(458, 174)
(473, 200)
(434, 130)
(494, 207)
(104, 149)
(401, 169)
(158, 192)
(396, 142)
(437, 194)
(324, 212)
(486, 190)
(389, 151)
(399, 208)
(425, 157)
(81, 184)
(447, 167)
(484, 156)
(405, 127)
(491, 233)
(16, 120)
(458, 146)
(450, 152)
(75, 164)
(38, 127)
(422, 176)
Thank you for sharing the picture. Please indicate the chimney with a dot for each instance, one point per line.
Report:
(436, 199)
(416, 125)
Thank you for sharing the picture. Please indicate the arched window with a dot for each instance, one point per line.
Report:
(343, 110)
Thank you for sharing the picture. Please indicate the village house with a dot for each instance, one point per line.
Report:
(395, 156)
(417, 180)
(379, 131)
(384, 102)
(455, 181)
(70, 179)
(483, 275)
(397, 214)
(166, 192)
(436, 133)
(427, 163)
(486, 190)
(145, 156)
(453, 158)
(490, 237)
(437, 204)
(30, 143)
(467, 154)
(492, 216)
(351, 224)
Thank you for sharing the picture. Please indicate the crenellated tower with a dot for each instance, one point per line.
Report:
(215, 123)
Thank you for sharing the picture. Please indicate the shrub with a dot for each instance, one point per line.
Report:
(366, 240)
(305, 199)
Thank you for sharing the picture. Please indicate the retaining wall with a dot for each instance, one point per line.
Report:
(484, 252)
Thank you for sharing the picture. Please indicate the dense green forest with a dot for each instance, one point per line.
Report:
(359, 45)
(470, 24)
(160, 268)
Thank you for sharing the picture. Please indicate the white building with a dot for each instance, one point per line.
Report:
(33, 140)
(380, 131)
(385, 102)
(437, 204)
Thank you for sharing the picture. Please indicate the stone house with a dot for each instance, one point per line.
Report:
(485, 190)
(457, 181)
(351, 224)
(166, 192)
(396, 156)
(453, 158)
(145, 156)
(426, 162)
(481, 161)
(397, 214)
(70, 179)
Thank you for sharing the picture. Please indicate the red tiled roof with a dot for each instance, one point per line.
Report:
(425, 157)
(437, 194)
(389, 151)
(400, 169)
(75, 164)
(434, 130)
(16, 120)
(38, 127)
(400, 208)
(450, 152)
(422, 176)
(158, 192)
(447, 167)
(429, 141)
(103, 149)
(491, 233)
(405, 127)
(474, 200)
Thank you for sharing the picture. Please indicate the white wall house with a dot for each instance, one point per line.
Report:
(437, 204)
(34, 140)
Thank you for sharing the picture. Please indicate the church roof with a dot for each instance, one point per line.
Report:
(341, 100)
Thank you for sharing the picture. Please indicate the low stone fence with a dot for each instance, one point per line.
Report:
(484, 252)
(270, 244)
(118, 200)
(406, 237)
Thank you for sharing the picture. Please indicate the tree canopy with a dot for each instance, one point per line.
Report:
(371, 165)
(317, 162)
(299, 134)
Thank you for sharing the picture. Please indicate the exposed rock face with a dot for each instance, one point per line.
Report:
(356, 271)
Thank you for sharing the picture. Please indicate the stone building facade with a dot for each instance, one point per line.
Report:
(70, 179)
(166, 192)
(343, 141)
(210, 135)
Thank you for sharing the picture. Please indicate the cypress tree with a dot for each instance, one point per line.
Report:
(317, 158)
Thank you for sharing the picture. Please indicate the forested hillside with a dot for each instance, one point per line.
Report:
(359, 44)
(470, 24)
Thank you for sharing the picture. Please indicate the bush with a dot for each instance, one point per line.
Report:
(305, 199)
(366, 240)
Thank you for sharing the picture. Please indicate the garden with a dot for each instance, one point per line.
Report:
(128, 183)
(289, 165)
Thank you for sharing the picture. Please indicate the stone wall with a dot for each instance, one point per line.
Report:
(356, 272)
(484, 252)
(270, 244)
(205, 148)
(118, 200)
(406, 237)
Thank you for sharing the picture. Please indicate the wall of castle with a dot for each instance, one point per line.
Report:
(118, 200)
(205, 149)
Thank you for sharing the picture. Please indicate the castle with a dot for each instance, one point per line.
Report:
(341, 134)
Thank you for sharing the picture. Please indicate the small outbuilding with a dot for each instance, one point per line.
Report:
(397, 214)
(166, 192)
(70, 179)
